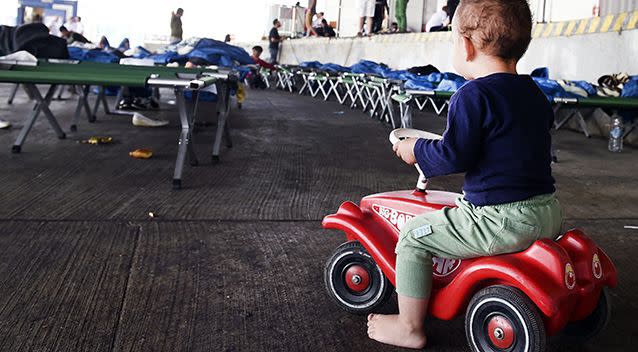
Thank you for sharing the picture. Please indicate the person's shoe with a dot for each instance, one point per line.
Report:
(139, 104)
(4, 124)
(143, 121)
(125, 104)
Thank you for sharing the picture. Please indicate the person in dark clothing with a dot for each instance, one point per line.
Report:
(176, 26)
(381, 9)
(227, 38)
(72, 37)
(451, 8)
(124, 45)
(326, 29)
(273, 40)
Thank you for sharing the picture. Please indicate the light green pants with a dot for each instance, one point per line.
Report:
(469, 231)
(400, 8)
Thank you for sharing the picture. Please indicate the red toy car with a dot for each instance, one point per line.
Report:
(512, 302)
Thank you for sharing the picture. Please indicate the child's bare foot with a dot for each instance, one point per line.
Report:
(391, 330)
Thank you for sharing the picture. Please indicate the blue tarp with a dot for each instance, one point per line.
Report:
(370, 68)
(333, 68)
(552, 89)
(94, 55)
(310, 64)
(209, 50)
(630, 90)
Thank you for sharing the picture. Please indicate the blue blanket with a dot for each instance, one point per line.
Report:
(630, 90)
(210, 51)
(94, 55)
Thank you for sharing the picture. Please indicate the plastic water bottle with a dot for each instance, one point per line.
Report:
(616, 134)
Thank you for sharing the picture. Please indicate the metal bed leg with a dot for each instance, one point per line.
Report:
(630, 128)
(82, 103)
(42, 105)
(12, 96)
(184, 145)
(98, 100)
(583, 124)
(406, 115)
(60, 92)
(223, 109)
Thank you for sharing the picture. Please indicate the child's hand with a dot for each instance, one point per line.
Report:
(405, 150)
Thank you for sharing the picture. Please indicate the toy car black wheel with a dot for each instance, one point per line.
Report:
(502, 318)
(581, 331)
(354, 281)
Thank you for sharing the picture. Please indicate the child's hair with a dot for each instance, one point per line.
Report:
(501, 28)
(258, 48)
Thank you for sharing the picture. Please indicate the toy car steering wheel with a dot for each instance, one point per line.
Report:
(403, 133)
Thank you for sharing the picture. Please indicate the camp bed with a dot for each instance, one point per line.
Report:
(55, 74)
(576, 104)
(285, 77)
(421, 99)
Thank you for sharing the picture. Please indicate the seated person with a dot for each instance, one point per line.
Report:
(255, 78)
(438, 22)
(394, 28)
(498, 134)
(317, 23)
(72, 37)
(257, 50)
(327, 30)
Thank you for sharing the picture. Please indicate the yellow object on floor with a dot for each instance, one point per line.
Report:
(99, 140)
(241, 93)
(141, 153)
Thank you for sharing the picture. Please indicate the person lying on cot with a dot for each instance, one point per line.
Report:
(498, 135)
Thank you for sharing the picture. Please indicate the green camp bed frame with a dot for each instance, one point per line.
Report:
(88, 74)
(421, 98)
(285, 77)
(576, 104)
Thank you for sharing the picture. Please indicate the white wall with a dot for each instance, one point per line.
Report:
(582, 57)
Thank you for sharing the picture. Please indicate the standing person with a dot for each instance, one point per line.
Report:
(273, 41)
(438, 22)
(451, 8)
(176, 26)
(402, 20)
(365, 9)
(381, 9)
(310, 14)
(498, 134)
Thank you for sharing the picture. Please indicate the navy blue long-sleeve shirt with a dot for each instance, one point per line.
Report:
(498, 134)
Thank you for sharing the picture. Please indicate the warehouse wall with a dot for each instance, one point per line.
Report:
(608, 7)
(568, 49)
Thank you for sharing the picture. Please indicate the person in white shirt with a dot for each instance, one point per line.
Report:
(317, 22)
(438, 22)
(75, 25)
(54, 24)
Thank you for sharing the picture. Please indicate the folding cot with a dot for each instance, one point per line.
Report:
(610, 103)
(421, 98)
(88, 74)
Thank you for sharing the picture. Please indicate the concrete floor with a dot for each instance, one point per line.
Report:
(234, 261)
